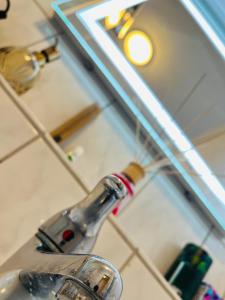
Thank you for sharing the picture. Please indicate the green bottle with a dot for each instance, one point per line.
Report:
(187, 272)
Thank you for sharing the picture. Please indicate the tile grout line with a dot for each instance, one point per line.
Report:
(157, 275)
(22, 107)
(117, 228)
(49, 19)
(151, 268)
(53, 146)
(42, 133)
(47, 38)
(121, 234)
(127, 261)
(18, 149)
(41, 9)
(60, 154)
(145, 185)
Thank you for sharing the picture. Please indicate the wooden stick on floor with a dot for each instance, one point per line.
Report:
(76, 123)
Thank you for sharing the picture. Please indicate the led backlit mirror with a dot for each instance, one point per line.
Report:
(173, 84)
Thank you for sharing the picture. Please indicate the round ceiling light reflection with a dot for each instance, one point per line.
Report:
(138, 48)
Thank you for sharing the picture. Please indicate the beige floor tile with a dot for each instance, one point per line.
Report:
(33, 186)
(141, 284)
(160, 222)
(63, 89)
(111, 246)
(25, 24)
(15, 131)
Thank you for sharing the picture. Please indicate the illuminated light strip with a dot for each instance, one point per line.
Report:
(167, 124)
(132, 78)
(205, 26)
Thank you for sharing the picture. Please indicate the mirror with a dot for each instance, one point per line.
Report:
(174, 88)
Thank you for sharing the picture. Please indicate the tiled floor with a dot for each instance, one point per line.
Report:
(11, 138)
(107, 249)
(41, 187)
(136, 275)
(34, 183)
(24, 16)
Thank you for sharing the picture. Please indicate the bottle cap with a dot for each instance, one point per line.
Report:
(51, 53)
(47, 55)
(135, 172)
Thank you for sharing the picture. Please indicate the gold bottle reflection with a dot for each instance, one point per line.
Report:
(21, 68)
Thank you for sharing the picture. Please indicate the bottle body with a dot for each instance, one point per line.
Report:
(19, 67)
(76, 229)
